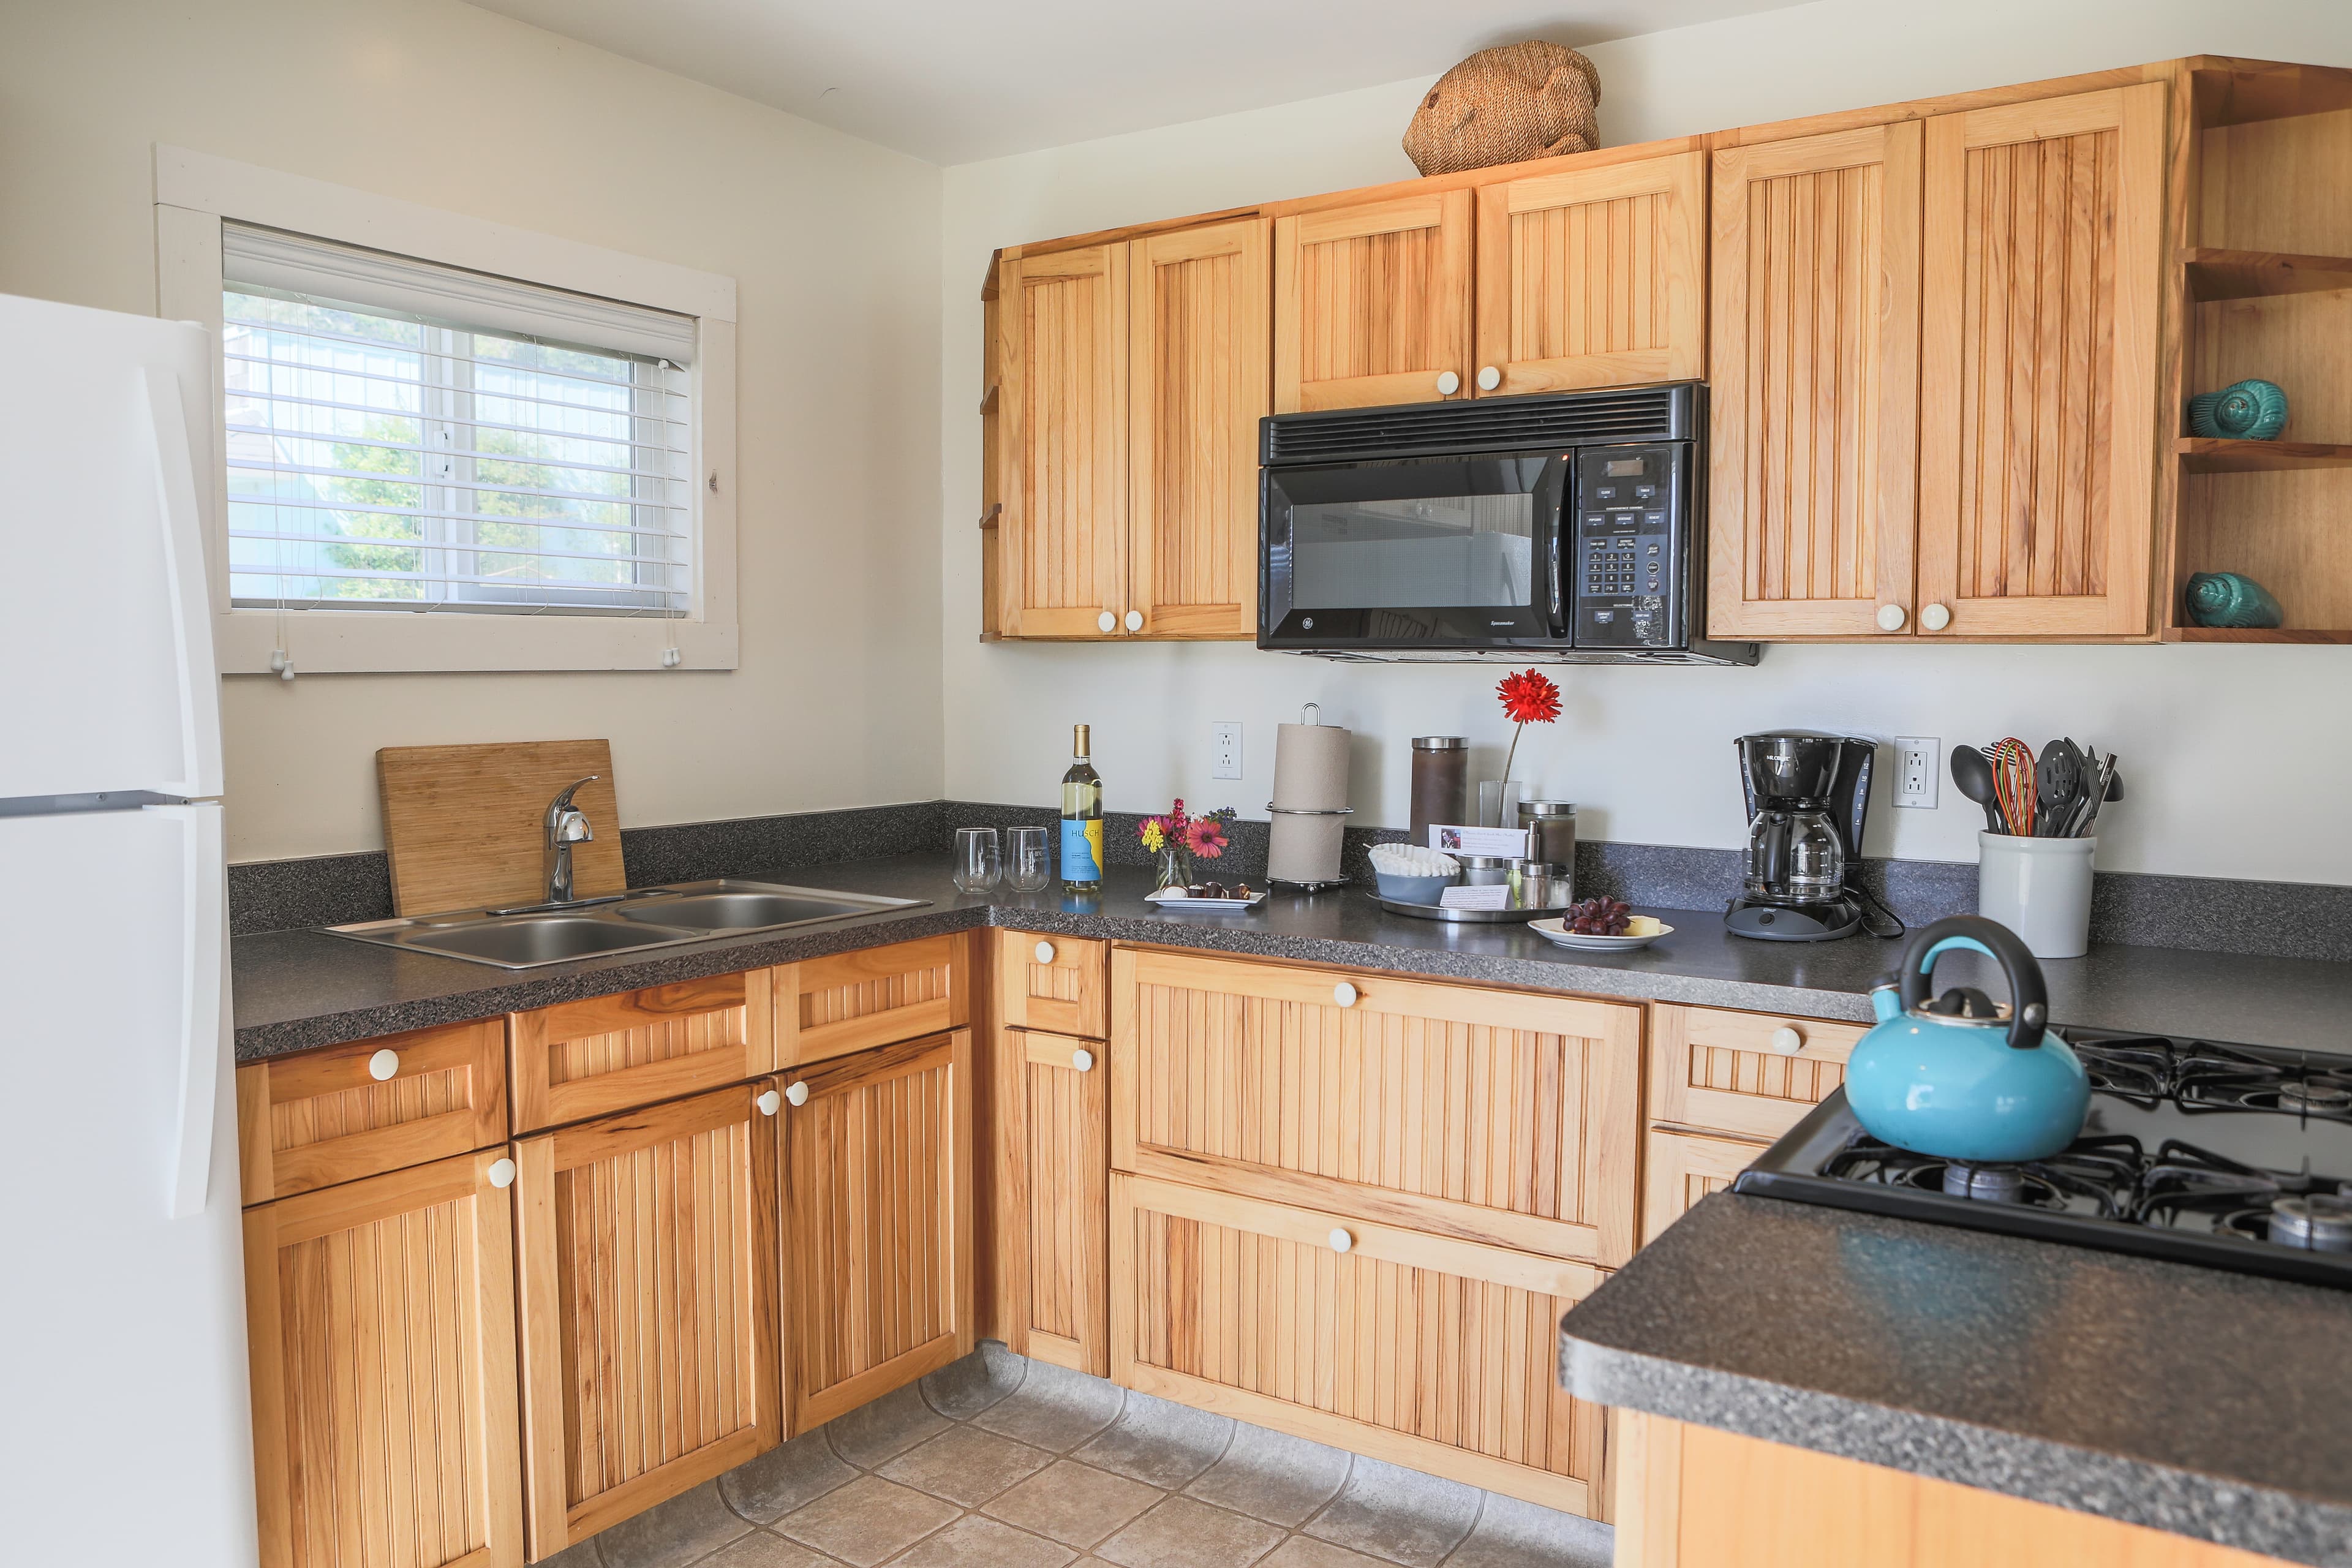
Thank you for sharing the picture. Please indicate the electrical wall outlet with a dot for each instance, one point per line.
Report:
(1917, 770)
(1225, 749)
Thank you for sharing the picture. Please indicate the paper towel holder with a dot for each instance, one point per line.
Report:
(1296, 811)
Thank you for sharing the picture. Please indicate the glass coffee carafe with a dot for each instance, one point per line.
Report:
(1795, 856)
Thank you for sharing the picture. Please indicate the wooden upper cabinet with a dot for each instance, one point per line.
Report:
(381, 1341)
(1814, 275)
(2037, 372)
(321, 1118)
(877, 1223)
(1371, 303)
(1593, 278)
(1198, 385)
(1499, 1117)
(645, 1248)
(1061, 538)
(586, 1058)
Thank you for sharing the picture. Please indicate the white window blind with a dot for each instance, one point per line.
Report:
(407, 437)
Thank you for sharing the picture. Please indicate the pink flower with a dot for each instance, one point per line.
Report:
(1205, 839)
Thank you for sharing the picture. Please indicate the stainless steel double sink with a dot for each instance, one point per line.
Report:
(526, 936)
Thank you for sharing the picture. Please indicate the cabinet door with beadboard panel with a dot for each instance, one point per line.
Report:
(1198, 385)
(1593, 278)
(1422, 1351)
(877, 1223)
(646, 1257)
(1753, 1075)
(1062, 406)
(827, 1007)
(1496, 1116)
(1371, 303)
(380, 1332)
(1053, 1202)
(1680, 1168)
(1814, 386)
(322, 1117)
(1055, 983)
(578, 1059)
(2037, 422)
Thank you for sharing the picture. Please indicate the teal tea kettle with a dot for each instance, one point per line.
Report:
(1958, 1077)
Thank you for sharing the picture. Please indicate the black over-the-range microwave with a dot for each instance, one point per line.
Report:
(1562, 528)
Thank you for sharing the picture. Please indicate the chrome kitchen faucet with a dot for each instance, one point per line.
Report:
(566, 824)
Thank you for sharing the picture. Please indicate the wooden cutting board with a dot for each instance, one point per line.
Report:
(463, 824)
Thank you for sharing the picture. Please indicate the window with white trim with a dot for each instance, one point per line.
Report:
(403, 435)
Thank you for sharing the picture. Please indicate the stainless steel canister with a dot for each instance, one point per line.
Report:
(1478, 870)
(1551, 829)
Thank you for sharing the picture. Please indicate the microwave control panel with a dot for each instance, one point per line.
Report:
(1626, 577)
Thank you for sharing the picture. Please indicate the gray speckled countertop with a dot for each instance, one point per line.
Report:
(299, 989)
(2191, 1399)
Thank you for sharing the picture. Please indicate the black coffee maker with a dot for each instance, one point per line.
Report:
(1807, 795)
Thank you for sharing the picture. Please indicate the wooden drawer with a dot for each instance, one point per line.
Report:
(828, 1007)
(1722, 1072)
(311, 1121)
(1053, 983)
(1493, 1116)
(579, 1060)
(1422, 1351)
(1680, 1168)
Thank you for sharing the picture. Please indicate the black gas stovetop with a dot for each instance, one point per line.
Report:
(2236, 1157)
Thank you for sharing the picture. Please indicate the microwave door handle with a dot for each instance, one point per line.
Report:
(1562, 548)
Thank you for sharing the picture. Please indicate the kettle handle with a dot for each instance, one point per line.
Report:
(2029, 999)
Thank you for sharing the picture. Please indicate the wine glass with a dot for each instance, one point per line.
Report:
(979, 859)
(1028, 868)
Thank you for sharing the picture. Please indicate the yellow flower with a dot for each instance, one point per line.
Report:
(1154, 836)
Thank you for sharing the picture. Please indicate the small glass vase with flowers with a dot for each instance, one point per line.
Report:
(1176, 840)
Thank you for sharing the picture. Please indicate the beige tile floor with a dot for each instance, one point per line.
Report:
(1002, 1462)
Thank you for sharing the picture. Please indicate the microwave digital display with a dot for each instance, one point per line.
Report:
(1623, 468)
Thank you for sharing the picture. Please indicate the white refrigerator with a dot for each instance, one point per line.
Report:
(125, 1431)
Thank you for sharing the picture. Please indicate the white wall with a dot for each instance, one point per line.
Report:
(2235, 756)
(835, 245)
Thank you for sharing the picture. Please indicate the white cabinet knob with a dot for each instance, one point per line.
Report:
(1891, 617)
(1340, 1240)
(1786, 1041)
(1082, 1060)
(767, 1103)
(385, 1064)
(1935, 617)
(1044, 953)
(1107, 621)
(1135, 620)
(1448, 384)
(796, 1093)
(502, 1174)
(1344, 995)
(1490, 378)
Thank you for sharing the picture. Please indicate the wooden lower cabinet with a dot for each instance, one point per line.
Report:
(1680, 1168)
(876, 1222)
(1694, 1497)
(1423, 1351)
(850, 1002)
(1052, 1220)
(605, 1054)
(646, 1259)
(380, 1335)
(321, 1117)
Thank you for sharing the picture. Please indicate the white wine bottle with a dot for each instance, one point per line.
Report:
(1082, 820)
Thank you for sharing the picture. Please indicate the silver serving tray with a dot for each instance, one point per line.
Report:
(1461, 917)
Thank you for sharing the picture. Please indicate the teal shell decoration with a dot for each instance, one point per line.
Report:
(2245, 411)
(2227, 599)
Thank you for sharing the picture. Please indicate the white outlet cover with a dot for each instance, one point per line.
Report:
(1918, 771)
(1225, 749)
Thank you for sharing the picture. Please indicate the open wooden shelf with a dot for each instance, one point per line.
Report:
(2218, 274)
(2254, 633)
(2213, 454)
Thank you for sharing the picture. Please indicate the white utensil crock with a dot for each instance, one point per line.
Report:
(2037, 887)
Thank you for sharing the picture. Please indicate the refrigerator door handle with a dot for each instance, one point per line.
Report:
(183, 561)
(204, 993)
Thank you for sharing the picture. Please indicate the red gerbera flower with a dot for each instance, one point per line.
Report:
(1205, 837)
(1528, 697)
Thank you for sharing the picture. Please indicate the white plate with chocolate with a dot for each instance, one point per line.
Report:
(1213, 897)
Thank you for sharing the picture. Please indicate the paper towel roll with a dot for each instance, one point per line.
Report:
(1311, 776)
(1311, 767)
